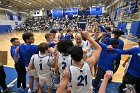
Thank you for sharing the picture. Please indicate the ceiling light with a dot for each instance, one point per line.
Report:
(19, 1)
(51, 0)
(9, 6)
(30, 3)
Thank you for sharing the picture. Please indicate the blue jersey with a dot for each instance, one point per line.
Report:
(26, 51)
(107, 57)
(121, 45)
(105, 37)
(134, 66)
(12, 51)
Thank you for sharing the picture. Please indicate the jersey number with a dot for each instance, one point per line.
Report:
(82, 78)
(40, 66)
(64, 65)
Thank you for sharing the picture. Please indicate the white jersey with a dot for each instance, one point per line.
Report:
(42, 64)
(81, 79)
(63, 62)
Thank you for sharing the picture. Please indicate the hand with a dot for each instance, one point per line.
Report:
(17, 49)
(86, 34)
(108, 74)
(55, 53)
(110, 47)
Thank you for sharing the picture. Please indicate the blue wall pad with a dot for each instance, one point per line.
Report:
(119, 25)
(5, 28)
(123, 27)
(135, 28)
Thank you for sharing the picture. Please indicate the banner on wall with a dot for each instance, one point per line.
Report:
(10, 14)
(19, 17)
(57, 13)
(96, 10)
(71, 11)
(115, 14)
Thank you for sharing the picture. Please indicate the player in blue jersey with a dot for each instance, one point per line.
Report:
(106, 61)
(26, 50)
(117, 35)
(132, 75)
(19, 66)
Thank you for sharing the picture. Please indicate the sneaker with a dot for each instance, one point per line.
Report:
(25, 89)
(93, 90)
(29, 91)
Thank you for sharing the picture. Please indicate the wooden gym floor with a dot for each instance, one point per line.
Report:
(39, 37)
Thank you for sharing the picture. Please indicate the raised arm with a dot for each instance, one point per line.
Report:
(107, 76)
(64, 81)
(56, 64)
(96, 54)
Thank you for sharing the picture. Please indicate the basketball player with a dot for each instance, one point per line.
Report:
(81, 43)
(53, 32)
(19, 66)
(132, 75)
(64, 59)
(79, 73)
(43, 63)
(106, 61)
(117, 35)
(26, 50)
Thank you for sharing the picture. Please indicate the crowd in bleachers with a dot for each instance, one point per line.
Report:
(47, 23)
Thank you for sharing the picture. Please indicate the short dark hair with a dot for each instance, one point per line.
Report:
(42, 47)
(69, 30)
(60, 29)
(108, 28)
(47, 35)
(13, 40)
(64, 46)
(114, 43)
(53, 31)
(76, 53)
(27, 35)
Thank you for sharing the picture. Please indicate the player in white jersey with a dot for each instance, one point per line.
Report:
(64, 59)
(43, 63)
(79, 74)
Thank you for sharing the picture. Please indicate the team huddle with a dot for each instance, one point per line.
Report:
(71, 58)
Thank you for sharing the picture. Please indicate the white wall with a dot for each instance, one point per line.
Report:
(3, 15)
(4, 18)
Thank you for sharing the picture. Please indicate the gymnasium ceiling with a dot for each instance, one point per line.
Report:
(29, 5)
